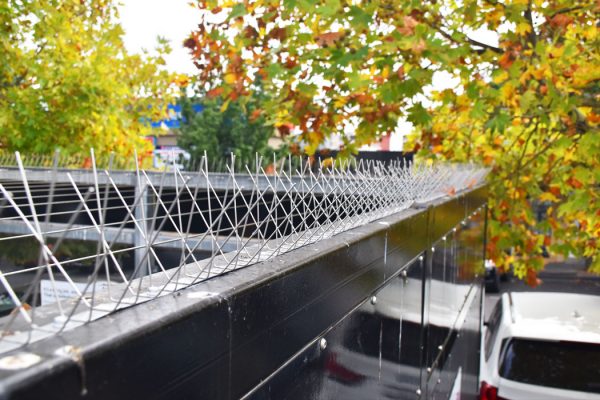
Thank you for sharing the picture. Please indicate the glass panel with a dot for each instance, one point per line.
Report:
(379, 354)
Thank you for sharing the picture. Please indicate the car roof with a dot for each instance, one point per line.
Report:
(555, 316)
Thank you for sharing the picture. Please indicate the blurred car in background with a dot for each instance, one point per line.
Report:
(492, 277)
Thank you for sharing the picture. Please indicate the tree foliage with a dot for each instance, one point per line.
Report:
(523, 97)
(67, 81)
(222, 129)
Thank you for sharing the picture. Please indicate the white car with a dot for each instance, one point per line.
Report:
(542, 346)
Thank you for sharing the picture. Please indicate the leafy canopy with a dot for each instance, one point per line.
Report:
(523, 97)
(67, 81)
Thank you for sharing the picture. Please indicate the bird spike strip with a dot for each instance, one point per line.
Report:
(101, 247)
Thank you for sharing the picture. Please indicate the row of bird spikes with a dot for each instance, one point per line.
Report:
(248, 216)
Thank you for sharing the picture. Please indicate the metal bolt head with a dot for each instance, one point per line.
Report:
(373, 300)
(323, 343)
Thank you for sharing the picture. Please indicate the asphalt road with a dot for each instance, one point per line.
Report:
(568, 276)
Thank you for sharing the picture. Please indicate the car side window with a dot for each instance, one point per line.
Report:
(492, 328)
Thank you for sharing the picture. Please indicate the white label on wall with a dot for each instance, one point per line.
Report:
(64, 290)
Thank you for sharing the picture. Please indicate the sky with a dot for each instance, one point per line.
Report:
(144, 20)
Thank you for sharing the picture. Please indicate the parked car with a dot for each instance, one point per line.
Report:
(540, 345)
(492, 277)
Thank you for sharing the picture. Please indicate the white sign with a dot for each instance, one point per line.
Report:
(64, 290)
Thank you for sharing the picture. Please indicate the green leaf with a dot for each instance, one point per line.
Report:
(360, 19)
(499, 122)
(409, 87)
(239, 10)
(478, 111)
(418, 115)
(329, 9)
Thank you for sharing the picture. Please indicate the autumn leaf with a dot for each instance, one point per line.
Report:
(506, 60)
(255, 114)
(408, 26)
(400, 72)
(216, 92)
(230, 78)
(561, 21)
(574, 182)
(285, 129)
(329, 38)
(547, 196)
(419, 47)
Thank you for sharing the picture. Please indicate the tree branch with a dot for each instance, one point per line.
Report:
(532, 35)
(566, 10)
(496, 3)
(468, 39)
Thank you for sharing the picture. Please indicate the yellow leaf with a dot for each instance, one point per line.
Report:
(557, 52)
(385, 72)
(340, 102)
(501, 77)
(523, 28)
(539, 72)
(230, 78)
(547, 196)
(328, 162)
(225, 105)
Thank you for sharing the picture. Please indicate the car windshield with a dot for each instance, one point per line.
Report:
(560, 364)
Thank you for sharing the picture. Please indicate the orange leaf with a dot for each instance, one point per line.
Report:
(593, 118)
(255, 114)
(532, 279)
(216, 92)
(506, 60)
(555, 190)
(400, 72)
(560, 21)
(285, 129)
(419, 47)
(574, 183)
(328, 38)
(408, 26)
